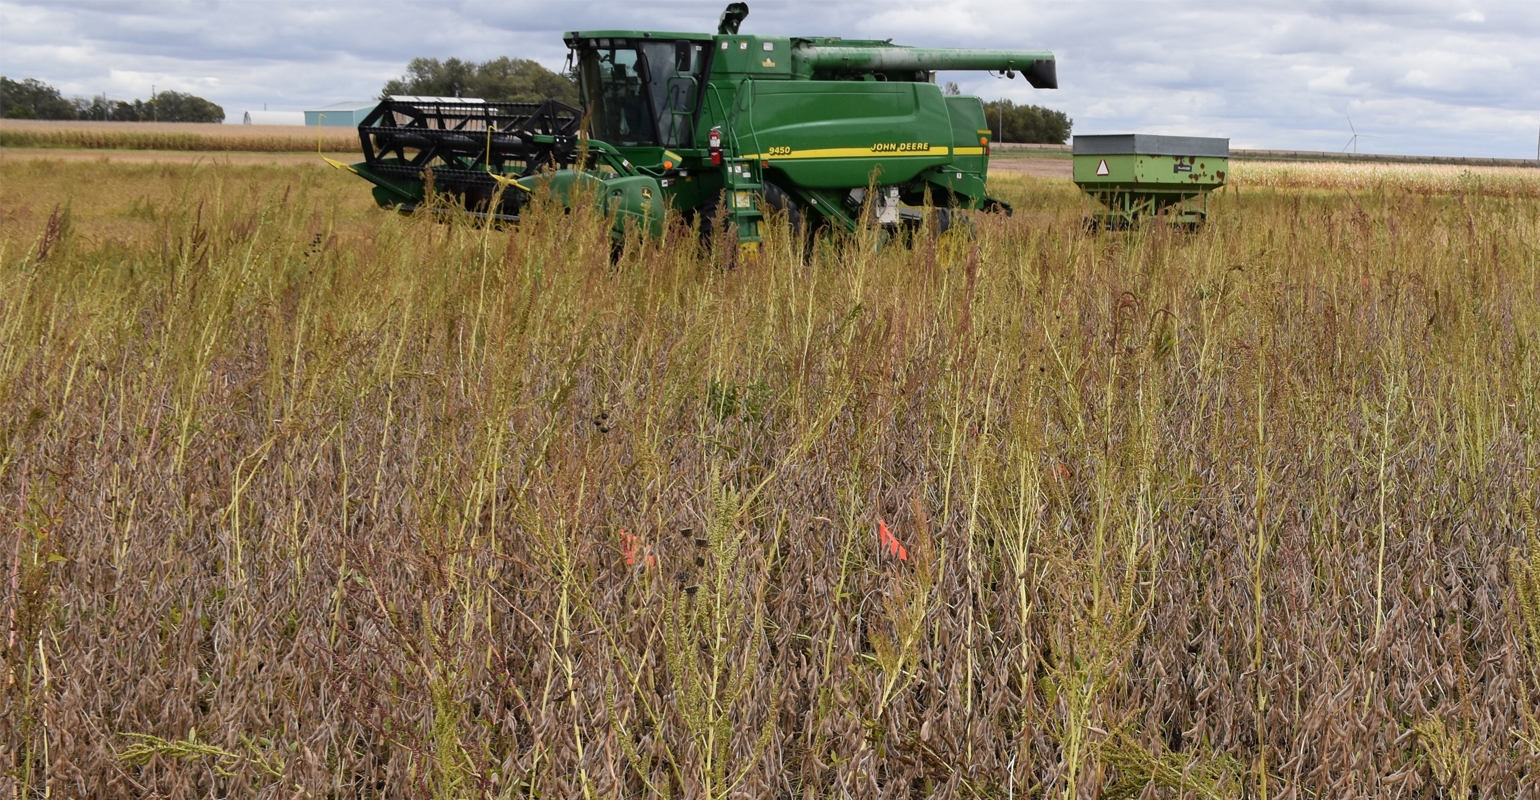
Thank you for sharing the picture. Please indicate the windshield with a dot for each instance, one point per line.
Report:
(676, 69)
(641, 95)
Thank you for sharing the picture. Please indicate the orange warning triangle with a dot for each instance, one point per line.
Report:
(1101, 169)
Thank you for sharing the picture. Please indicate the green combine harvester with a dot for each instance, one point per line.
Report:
(720, 127)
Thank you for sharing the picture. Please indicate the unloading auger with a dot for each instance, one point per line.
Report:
(717, 126)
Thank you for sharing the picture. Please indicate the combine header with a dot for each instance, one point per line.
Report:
(717, 126)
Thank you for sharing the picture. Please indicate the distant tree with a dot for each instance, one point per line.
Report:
(30, 98)
(1030, 124)
(96, 108)
(951, 88)
(33, 99)
(165, 106)
(179, 107)
(100, 108)
(508, 79)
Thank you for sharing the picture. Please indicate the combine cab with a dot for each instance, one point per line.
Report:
(718, 126)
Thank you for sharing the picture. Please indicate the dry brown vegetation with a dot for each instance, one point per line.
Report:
(187, 136)
(306, 499)
(1450, 179)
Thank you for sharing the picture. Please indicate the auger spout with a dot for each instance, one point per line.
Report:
(823, 60)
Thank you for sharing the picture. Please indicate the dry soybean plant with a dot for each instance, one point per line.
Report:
(303, 504)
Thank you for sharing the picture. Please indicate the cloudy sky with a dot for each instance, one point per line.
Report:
(1459, 77)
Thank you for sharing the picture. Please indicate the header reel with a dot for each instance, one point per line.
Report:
(470, 147)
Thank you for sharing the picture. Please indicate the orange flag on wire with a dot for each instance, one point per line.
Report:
(889, 542)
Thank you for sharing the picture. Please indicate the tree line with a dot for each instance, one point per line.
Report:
(30, 98)
(1026, 123)
(517, 80)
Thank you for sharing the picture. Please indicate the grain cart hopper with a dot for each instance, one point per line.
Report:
(717, 126)
(1136, 175)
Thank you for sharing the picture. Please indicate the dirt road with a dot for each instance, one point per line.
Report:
(1035, 167)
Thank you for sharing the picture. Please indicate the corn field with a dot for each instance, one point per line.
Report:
(304, 499)
(189, 136)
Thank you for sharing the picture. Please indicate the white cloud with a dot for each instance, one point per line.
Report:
(126, 82)
(1417, 75)
(1332, 81)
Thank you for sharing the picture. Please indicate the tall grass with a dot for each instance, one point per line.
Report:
(304, 503)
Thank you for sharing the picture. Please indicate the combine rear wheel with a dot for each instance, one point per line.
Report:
(781, 201)
(714, 220)
(776, 198)
(941, 220)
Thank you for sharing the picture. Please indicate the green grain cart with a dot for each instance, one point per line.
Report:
(719, 126)
(1137, 176)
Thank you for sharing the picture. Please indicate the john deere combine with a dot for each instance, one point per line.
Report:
(719, 126)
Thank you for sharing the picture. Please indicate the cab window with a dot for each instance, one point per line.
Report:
(642, 95)
(617, 97)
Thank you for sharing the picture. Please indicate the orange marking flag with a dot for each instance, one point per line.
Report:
(889, 542)
(630, 542)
